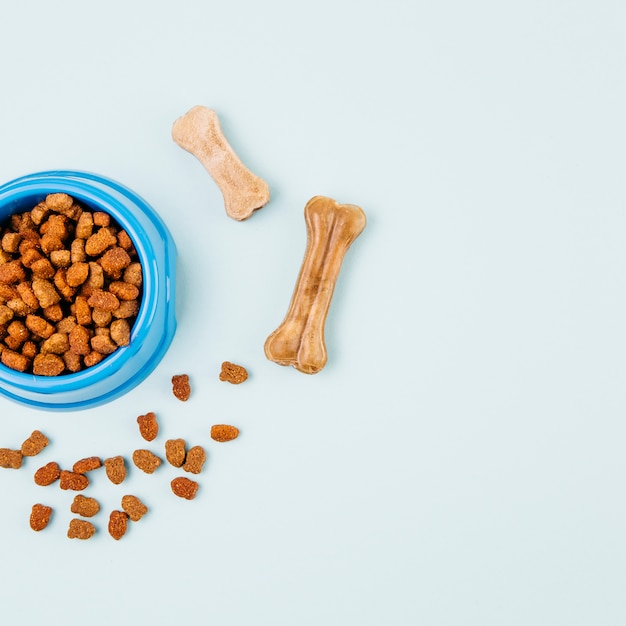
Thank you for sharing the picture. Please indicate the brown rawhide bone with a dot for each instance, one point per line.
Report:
(299, 340)
(199, 132)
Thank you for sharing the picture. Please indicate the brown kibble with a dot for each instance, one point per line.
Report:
(224, 432)
(100, 218)
(115, 469)
(66, 325)
(87, 465)
(60, 258)
(39, 326)
(99, 242)
(93, 358)
(10, 459)
(181, 387)
(72, 361)
(14, 360)
(79, 340)
(18, 331)
(7, 292)
(127, 308)
(118, 523)
(184, 488)
(11, 242)
(124, 291)
(101, 318)
(29, 350)
(104, 300)
(6, 314)
(40, 516)
(77, 251)
(45, 292)
(25, 291)
(19, 307)
(195, 460)
(34, 444)
(73, 481)
(77, 274)
(53, 313)
(115, 261)
(146, 461)
(103, 344)
(42, 268)
(48, 365)
(124, 241)
(148, 426)
(175, 452)
(133, 274)
(49, 243)
(134, 507)
(80, 529)
(232, 373)
(59, 202)
(57, 343)
(82, 311)
(84, 226)
(47, 474)
(60, 282)
(120, 332)
(12, 272)
(86, 507)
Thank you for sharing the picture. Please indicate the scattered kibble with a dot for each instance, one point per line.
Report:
(181, 387)
(40, 516)
(115, 468)
(34, 444)
(73, 481)
(47, 474)
(10, 459)
(134, 507)
(81, 529)
(86, 507)
(146, 461)
(184, 488)
(234, 374)
(175, 452)
(148, 426)
(195, 460)
(118, 523)
(224, 432)
(87, 465)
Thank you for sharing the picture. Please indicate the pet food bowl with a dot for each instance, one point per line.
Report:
(155, 325)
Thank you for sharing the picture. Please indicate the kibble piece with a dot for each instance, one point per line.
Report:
(47, 474)
(85, 507)
(79, 340)
(42, 268)
(148, 426)
(61, 258)
(120, 332)
(11, 242)
(53, 313)
(146, 461)
(126, 309)
(115, 469)
(40, 516)
(48, 365)
(118, 523)
(57, 343)
(87, 465)
(84, 226)
(72, 361)
(6, 313)
(10, 459)
(175, 452)
(184, 488)
(77, 274)
(59, 202)
(224, 432)
(232, 373)
(124, 291)
(45, 292)
(93, 358)
(82, 311)
(133, 274)
(34, 444)
(12, 272)
(80, 529)
(104, 300)
(29, 350)
(99, 242)
(195, 460)
(14, 360)
(181, 387)
(102, 344)
(115, 261)
(134, 507)
(26, 293)
(73, 481)
(39, 326)
(77, 251)
(100, 218)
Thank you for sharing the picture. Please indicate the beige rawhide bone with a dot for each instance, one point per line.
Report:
(299, 340)
(199, 132)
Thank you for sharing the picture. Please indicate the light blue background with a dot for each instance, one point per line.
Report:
(460, 460)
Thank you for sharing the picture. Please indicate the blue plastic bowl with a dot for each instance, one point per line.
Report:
(154, 328)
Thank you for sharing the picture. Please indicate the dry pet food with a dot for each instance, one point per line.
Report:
(175, 452)
(80, 529)
(115, 468)
(40, 516)
(148, 426)
(199, 132)
(134, 507)
(10, 459)
(231, 373)
(87, 465)
(181, 387)
(70, 287)
(73, 481)
(184, 488)
(34, 444)
(195, 460)
(224, 432)
(86, 507)
(118, 523)
(146, 461)
(47, 474)
(331, 229)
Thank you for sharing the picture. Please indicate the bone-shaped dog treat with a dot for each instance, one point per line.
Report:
(199, 132)
(299, 340)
